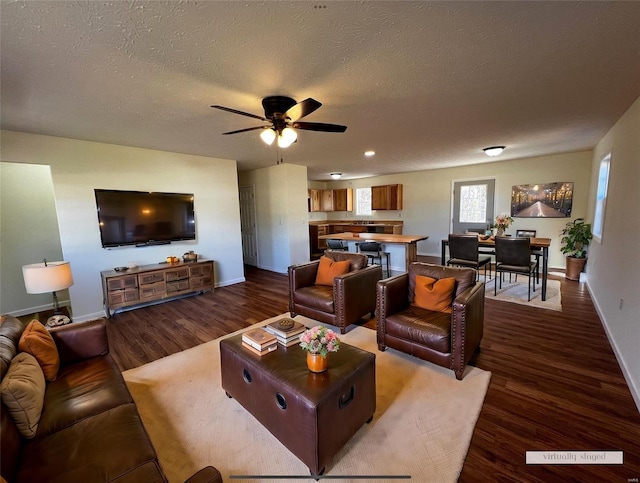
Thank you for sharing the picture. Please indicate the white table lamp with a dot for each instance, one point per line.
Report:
(48, 277)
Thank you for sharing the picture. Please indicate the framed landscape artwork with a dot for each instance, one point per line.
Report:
(549, 200)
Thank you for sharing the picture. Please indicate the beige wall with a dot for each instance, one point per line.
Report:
(281, 215)
(428, 196)
(613, 274)
(28, 234)
(77, 167)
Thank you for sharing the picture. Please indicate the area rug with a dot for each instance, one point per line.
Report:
(516, 293)
(422, 426)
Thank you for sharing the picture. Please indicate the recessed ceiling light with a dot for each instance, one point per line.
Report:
(369, 153)
(336, 175)
(493, 151)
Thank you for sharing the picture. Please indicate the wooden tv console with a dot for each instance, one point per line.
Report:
(153, 283)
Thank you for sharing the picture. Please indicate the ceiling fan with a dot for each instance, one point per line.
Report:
(283, 114)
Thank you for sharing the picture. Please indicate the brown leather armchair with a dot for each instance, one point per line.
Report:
(446, 339)
(352, 296)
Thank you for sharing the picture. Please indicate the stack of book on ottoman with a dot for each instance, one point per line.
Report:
(286, 331)
(259, 341)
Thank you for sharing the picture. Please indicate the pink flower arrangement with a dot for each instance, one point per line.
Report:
(503, 222)
(319, 340)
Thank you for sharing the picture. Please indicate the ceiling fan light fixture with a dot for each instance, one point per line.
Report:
(493, 151)
(268, 136)
(336, 175)
(287, 137)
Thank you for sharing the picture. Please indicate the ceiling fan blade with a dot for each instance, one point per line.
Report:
(319, 126)
(302, 108)
(247, 129)
(235, 111)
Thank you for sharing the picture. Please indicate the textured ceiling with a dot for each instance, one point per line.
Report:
(424, 84)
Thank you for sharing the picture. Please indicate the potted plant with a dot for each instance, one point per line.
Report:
(576, 236)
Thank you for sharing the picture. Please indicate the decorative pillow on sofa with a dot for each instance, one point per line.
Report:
(328, 270)
(37, 341)
(23, 393)
(432, 294)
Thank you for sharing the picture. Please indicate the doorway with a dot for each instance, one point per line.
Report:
(248, 225)
(473, 205)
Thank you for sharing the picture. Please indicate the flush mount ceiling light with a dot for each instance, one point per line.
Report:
(336, 175)
(369, 153)
(493, 151)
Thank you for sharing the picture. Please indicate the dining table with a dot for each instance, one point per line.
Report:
(403, 248)
(488, 245)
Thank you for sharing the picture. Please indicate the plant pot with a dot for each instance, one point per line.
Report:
(574, 268)
(317, 363)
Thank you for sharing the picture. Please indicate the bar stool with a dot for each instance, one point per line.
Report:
(373, 251)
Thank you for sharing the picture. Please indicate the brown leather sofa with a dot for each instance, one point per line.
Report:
(446, 339)
(89, 429)
(352, 296)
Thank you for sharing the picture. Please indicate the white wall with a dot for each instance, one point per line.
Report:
(427, 196)
(281, 215)
(28, 234)
(614, 263)
(77, 167)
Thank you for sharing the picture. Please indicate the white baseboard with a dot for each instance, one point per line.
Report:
(271, 269)
(37, 308)
(231, 282)
(633, 388)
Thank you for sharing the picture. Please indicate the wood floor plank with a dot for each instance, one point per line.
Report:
(556, 384)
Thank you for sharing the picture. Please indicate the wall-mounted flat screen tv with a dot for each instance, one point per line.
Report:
(144, 218)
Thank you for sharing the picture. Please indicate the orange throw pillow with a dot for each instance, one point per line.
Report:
(432, 294)
(37, 341)
(328, 270)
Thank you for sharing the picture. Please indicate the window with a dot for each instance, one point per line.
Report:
(473, 204)
(601, 197)
(363, 201)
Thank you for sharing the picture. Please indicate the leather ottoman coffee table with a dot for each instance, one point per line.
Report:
(313, 415)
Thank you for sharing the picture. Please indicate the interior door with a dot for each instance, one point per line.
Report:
(473, 203)
(248, 225)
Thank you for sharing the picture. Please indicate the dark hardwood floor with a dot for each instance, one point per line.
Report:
(556, 384)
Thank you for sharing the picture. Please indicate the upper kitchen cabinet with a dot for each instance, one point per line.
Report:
(315, 200)
(331, 200)
(343, 199)
(386, 197)
(327, 200)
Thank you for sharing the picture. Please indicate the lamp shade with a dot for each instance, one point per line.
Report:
(268, 136)
(287, 137)
(47, 277)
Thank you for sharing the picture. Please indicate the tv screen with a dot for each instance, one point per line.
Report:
(144, 218)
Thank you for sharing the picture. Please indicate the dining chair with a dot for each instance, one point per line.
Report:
(513, 255)
(373, 251)
(337, 245)
(536, 252)
(463, 252)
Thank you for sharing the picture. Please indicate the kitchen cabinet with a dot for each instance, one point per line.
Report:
(343, 199)
(327, 200)
(331, 200)
(316, 245)
(386, 197)
(315, 200)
